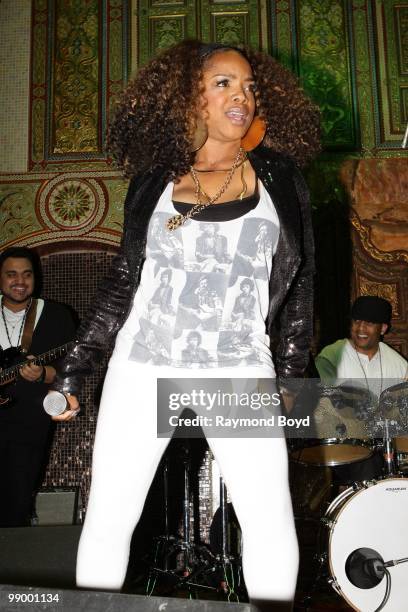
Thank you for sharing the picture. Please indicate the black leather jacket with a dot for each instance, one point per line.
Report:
(289, 321)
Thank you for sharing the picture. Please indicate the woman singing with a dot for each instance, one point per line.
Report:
(188, 132)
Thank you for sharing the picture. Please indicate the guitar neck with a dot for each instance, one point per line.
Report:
(10, 374)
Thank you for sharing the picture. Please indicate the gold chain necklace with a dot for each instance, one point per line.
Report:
(177, 220)
(244, 185)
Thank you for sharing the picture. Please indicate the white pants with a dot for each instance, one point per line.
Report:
(126, 455)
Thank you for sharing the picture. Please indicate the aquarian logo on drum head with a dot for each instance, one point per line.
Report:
(396, 489)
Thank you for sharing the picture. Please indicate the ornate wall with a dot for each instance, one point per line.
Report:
(68, 192)
(59, 184)
(64, 61)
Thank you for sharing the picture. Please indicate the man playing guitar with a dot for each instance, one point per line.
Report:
(28, 327)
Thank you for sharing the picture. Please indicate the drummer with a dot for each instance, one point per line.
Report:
(364, 356)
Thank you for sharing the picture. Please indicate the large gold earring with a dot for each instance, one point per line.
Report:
(255, 134)
(200, 135)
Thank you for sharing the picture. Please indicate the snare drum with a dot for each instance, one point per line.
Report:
(332, 451)
(375, 517)
(341, 436)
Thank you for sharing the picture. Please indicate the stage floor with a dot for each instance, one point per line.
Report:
(45, 557)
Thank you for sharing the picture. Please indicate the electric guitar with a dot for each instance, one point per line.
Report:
(14, 355)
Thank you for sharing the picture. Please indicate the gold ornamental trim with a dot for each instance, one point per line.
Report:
(364, 234)
(388, 291)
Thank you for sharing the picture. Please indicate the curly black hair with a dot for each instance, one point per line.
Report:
(152, 125)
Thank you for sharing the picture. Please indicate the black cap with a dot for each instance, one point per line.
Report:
(371, 308)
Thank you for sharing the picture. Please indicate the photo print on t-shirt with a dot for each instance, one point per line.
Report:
(195, 348)
(161, 306)
(201, 302)
(237, 348)
(240, 306)
(211, 249)
(255, 249)
(165, 247)
(152, 344)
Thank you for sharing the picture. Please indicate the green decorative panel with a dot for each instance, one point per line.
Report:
(283, 32)
(389, 51)
(231, 23)
(166, 31)
(75, 85)
(229, 28)
(326, 68)
(163, 23)
(116, 190)
(79, 63)
(117, 56)
(402, 38)
(38, 80)
(361, 46)
(17, 217)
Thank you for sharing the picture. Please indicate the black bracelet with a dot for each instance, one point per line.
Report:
(42, 376)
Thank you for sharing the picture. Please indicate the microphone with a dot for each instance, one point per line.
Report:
(365, 568)
(55, 403)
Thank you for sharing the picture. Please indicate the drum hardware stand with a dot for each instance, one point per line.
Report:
(389, 450)
(198, 562)
(225, 562)
(390, 399)
(195, 559)
(321, 578)
(165, 543)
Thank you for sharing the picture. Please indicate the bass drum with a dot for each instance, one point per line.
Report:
(374, 517)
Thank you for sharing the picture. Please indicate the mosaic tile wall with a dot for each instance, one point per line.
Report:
(15, 25)
(72, 278)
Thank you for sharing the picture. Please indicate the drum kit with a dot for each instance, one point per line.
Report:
(361, 548)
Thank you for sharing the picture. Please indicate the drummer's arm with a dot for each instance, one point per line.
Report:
(327, 420)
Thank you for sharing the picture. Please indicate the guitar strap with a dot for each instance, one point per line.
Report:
(29, 327)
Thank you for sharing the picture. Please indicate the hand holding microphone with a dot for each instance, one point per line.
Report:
(61, 407)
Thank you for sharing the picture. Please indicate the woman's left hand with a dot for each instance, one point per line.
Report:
(72, 409)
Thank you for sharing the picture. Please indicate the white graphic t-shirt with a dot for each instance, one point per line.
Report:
(203, 296)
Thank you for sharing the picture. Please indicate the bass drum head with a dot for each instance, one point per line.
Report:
(375, 518)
